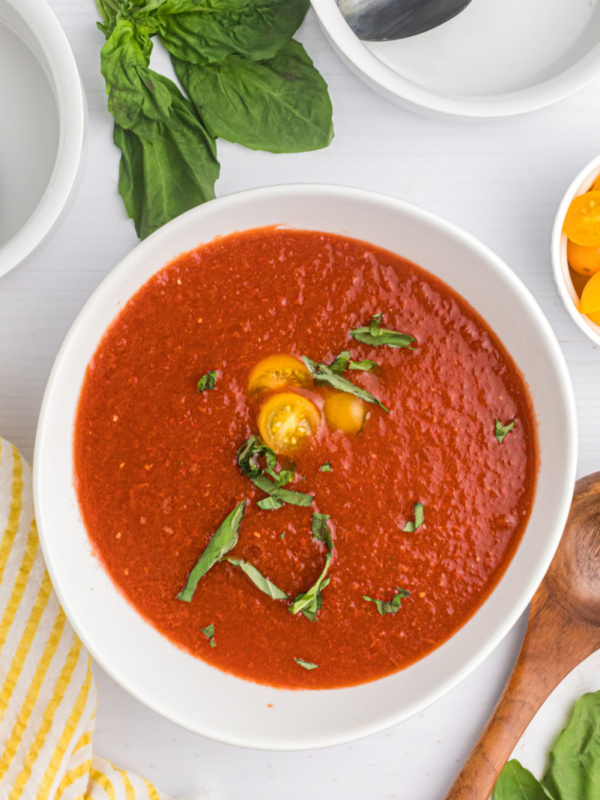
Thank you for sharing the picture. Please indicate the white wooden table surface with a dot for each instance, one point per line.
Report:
(500, 180)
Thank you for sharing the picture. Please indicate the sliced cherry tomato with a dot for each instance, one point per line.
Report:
(287, 420)
(277, 372)
(584, 260)
(345, 412)
(582, 222)
(590, 297)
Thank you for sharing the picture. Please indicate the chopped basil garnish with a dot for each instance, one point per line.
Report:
(375, 335)
(326, 467)
(262, 583)
(501, 430)
(340, 363)
(209, 632)
(223, 540)
(366, 366)
(389, 607)
(324, 374)
(411, 526)
(282, 537)
(306, 664)
(247, 459)
(310, 602)
(208, 382)
(269, 504)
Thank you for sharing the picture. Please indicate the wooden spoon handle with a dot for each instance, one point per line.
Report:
(554, 644)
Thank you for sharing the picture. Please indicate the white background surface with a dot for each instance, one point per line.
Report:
(500, 180)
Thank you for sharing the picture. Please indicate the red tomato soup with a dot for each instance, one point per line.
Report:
(156, 466)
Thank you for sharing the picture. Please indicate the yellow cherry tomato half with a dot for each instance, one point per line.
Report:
(277, 372)
(345, 412)
(287, 420)
(584, 260)
(590, 297)
(582, 222)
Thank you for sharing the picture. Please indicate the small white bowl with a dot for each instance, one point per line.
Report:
(496, 58)
(187, 690)
(41, 127)
(560, 265)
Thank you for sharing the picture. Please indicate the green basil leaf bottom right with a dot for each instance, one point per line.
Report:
(517, 783)
(280, 105)
(169, 167)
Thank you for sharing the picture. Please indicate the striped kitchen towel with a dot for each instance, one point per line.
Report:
(47, 690)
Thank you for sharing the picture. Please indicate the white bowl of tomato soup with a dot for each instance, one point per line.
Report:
(334, 577)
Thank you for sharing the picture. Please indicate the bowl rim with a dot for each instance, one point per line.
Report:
(61, 70)
(558, 248)
(534, 576)
(409, 94)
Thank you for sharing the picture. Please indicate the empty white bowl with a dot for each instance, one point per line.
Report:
(190, 692)
(41, 127)
(560, 265)
(494, 59)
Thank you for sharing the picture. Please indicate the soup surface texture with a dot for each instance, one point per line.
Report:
(156, 469)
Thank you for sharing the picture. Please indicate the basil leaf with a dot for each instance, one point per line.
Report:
(307, 599)
(340, 362)
(167, 167)
(223, 540)
(388, 607)
(135, 97)
(500, 430)
(321, 373)
(517, 783)
(315, 604)
(326, 467)
(269, 504)
(209, 632)
(280, 105)
(306, 664)
(252, 449)
(365, 366)
(262, 583)
(573, 771)
(208, 382)
(210, 32)
(411, 526)
(375, 335)
(247, 454)
(320, 530)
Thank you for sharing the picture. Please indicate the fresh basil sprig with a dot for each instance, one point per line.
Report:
(247, 458)
(264, 584)
(209, 632)
(375, 335)
(321, 373)
(222, 541)
(411, 526)
(343, 362)
(389, 606)
(208, 382)
(500, 430)
(247, 80)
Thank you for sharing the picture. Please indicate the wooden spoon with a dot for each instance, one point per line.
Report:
(563, 630)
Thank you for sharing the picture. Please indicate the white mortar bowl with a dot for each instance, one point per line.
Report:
(41, 127)
(187, 690)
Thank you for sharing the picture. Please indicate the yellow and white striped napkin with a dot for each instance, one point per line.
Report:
(47, 690)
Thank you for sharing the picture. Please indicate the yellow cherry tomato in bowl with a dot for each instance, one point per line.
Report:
(590, 297)
(582, 221)
(584, 260)
(345, 412)
(278, 372)
(287, 420)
